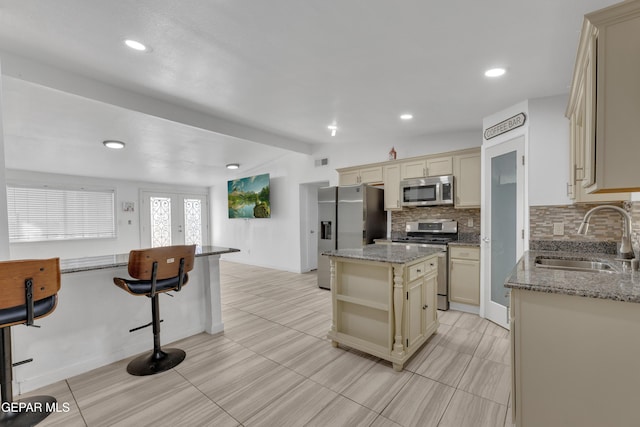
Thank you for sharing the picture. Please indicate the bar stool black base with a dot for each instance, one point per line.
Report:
(38, 408)
(156, 362)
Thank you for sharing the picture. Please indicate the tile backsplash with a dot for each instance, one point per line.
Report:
(604, 225)
(463, 216)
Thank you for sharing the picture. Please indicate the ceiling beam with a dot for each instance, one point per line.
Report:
(26, 69)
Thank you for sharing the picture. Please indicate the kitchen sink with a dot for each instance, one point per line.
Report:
(574, 264)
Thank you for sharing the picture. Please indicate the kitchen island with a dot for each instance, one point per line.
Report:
(384, 299)
(574, 342)
(91, 324)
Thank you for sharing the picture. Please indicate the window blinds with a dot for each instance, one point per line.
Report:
(40, 214)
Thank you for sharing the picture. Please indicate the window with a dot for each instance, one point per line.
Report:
(43, 213)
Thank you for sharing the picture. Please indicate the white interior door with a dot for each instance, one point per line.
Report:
(503, 223)
(173, 219)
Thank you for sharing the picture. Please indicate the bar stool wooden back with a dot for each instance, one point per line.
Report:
(28, 291)
(155, 271)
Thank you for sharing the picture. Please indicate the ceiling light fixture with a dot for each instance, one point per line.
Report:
(233, 165)
(495, 72)
(135, 45)
(406, 116)
(333, 129)
(115, 145)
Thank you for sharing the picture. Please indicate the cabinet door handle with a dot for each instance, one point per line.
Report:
(424, 307)
(419, 271)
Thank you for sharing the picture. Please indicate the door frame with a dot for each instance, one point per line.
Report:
(309, 225)
(489, 309)
(145, 194)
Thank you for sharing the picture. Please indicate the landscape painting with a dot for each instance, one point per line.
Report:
(249, 197)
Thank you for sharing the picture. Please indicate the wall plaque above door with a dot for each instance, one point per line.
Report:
(505, 126)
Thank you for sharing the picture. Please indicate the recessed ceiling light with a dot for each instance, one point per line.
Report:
(116, 145)
(233, 165)
(135, 45)
(495, 72)
(406, 116)
(333, 128)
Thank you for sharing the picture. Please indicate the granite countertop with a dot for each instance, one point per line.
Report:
(75, 265)
(621, 285)
(395, 254)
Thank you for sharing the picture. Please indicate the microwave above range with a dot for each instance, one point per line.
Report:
(430, 191)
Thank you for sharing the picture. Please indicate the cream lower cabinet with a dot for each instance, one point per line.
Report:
(464, 275)
(420, 310)
(574, 360)
(384, 309)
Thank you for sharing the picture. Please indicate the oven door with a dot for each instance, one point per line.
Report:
(420, 193)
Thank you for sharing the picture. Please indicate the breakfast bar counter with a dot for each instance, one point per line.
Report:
(91, 324)
(384, 299)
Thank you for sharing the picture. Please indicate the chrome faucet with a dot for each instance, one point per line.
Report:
(626, 250)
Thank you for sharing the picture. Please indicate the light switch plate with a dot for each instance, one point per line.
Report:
(558, 229)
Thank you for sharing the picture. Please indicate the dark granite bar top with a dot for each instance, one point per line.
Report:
(75, 265)
(620, 285)
(394, 254)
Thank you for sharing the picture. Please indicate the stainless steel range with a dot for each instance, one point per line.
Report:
(434, 233)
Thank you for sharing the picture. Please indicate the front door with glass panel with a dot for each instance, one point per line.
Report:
(174, 219)
(503, 234)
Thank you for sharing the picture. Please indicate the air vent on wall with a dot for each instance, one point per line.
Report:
(322, 162)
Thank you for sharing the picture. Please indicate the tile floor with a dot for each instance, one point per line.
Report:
(273, 366)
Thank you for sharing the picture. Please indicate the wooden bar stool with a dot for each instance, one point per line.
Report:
(155, 271)
(28, 291)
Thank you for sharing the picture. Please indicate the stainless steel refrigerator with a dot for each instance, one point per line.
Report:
(350, 217)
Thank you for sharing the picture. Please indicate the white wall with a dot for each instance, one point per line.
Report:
(548, 151)
(128, 235)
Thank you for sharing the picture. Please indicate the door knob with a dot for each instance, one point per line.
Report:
(486, 239)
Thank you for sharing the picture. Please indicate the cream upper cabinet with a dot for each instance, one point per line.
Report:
(367, 175)
(414, 169)
(603, 105)
(435, 166)
(392, 187)
(464, 275)
(466, 170)
(440, 166)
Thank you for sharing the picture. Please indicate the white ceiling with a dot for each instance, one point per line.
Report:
(248, 81)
